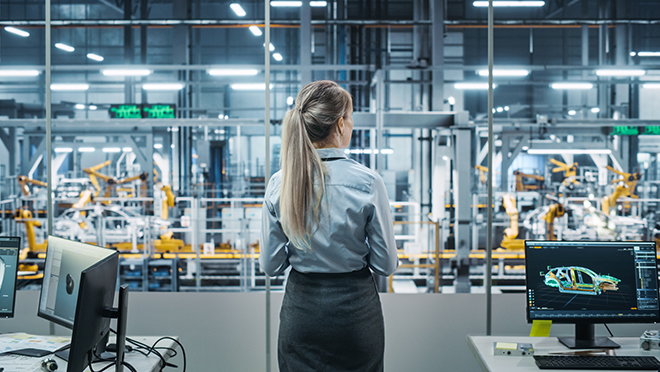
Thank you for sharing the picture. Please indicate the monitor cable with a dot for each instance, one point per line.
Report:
(608, 330)
(153, 349)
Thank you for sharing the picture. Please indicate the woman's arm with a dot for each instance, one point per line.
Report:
(383, 256)
(273, 257)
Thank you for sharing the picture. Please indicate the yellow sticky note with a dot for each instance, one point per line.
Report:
(21, 336)
(506, 346)
(540, 328)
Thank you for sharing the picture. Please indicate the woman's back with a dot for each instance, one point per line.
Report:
(355, 226)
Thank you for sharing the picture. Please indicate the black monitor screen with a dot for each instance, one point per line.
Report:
(65, 260)
(592, 282)
(9, 252)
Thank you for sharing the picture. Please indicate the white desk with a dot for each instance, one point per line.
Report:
(137, 360)
(482, 348)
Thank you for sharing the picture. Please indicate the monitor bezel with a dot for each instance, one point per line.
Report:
(600, 320)
(49, 317)
(11, 313)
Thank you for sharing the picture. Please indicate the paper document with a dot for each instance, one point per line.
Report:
(19, 363)
(15, 341)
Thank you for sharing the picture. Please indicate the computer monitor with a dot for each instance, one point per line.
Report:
(9, 252)
(590, 282)
(65, 261)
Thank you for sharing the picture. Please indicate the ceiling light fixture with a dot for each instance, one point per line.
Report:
(158, 145)
(86, 149)
(571, 85)
(294, 4)
(620, 72)
(572, 112)
(95, 57)
(255, 30)
(68, 87)
(79, 106)
(19, 72)
(651, 86)
(232, 72)
(111, 149)
(238, 9)
(127, 149)
(18, 32)
(503, 72)
(249, 86)
(63, 150)
(569, 151)
(92, 107)
(648, 54)
(278, 57)
(510, 4)
(473, 86)
(126, 72)
(595, 110)
(64, 47)
(272, 47)
(162, 86)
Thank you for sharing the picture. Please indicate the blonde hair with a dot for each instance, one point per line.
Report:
(318, 108)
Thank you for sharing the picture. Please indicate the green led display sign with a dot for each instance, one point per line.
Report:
(634, 131)
(143, 111)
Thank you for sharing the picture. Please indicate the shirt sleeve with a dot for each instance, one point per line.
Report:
(273, 257)
(383, 256)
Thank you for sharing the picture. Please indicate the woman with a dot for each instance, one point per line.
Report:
(328, 217)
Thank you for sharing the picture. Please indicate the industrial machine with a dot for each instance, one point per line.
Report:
(528, 182)
(510, 240)
(570, 172)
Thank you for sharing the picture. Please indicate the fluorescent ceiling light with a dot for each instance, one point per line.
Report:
(79, 106)
(92, 107)
(158, 145)
(286, 4)
(571, 85)
(272, 47)
(289, 100)
(572, 112)
(474, 86)
(127, 149)
(595, 110)
(162, 86)
(238, 9)
(569, 151)
(64, 47)
(232, 72)
(510, 4)
(69, 87)
(499, 72)
(19, 72)
(95, 57)
(63, 150)
(86, 149)
(632, 54)
(16, 31)
(651, 86)
(620, 72)
(249, 86)
(369, 151)
(111, 149)
(648, 54)
(294, 4)
(277, 56)
(255, 30)
(126, 72)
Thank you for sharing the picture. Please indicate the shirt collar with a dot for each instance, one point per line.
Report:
(331, 153)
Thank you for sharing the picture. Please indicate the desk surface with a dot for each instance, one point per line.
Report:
(482, 348)
(137, 360)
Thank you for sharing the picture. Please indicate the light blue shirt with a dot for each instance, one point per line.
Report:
(355, 227)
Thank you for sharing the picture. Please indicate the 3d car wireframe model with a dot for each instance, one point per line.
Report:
(580, 280)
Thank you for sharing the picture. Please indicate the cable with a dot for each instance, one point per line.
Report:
(608, 330)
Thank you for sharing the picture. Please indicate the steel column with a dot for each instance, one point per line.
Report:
(462, 212)
(437, 54)
(305, 41)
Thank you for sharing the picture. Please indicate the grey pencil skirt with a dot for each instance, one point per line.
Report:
(331, 322)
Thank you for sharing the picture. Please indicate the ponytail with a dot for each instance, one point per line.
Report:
(319, 106)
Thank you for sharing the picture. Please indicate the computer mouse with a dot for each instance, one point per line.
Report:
(69, 284)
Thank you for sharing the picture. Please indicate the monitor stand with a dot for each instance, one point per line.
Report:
(584, 339)
(100, 348)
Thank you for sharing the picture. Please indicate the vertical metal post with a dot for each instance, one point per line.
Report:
(49, 157)
(305, 42)
(267, 175)
(437, 54)
(489, 202)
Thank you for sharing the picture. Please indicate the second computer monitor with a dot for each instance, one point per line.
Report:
(65, 261)
(589, 282)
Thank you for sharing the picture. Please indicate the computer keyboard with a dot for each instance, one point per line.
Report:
(602, 362)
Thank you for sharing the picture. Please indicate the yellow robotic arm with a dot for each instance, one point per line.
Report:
(24, 181)
(555, 211)
(570, 171)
